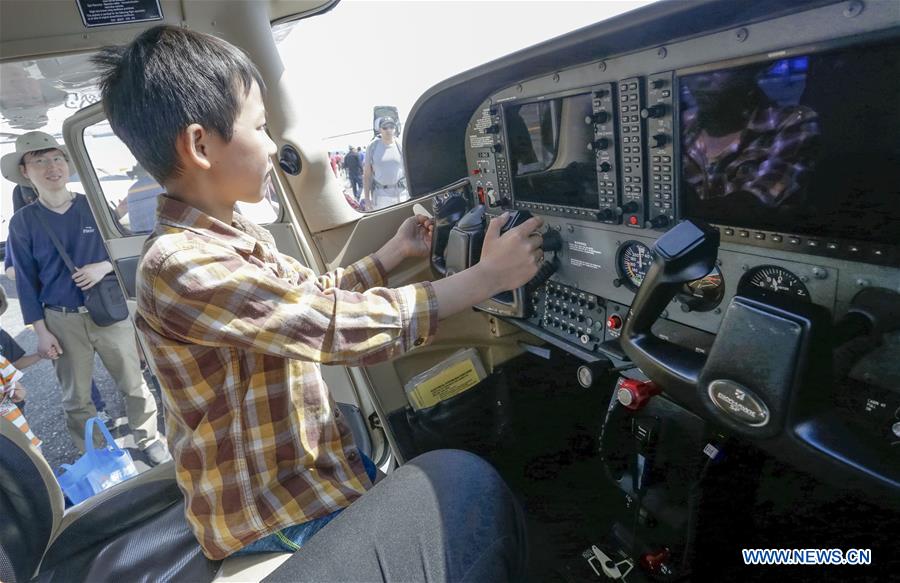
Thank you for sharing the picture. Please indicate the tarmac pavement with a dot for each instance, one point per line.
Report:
(44, 410)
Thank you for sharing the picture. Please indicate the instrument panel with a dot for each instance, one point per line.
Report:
(615, 152)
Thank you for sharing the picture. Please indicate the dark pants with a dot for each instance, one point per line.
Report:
(444, 516)
(97, 398)
(356, 183)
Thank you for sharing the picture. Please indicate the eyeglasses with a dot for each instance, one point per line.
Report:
(389, 126)
(44, 162)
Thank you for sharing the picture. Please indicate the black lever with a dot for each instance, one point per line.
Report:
(685, 253)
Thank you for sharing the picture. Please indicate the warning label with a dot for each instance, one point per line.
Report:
(452, 381)
(587, 264)
(582, 247)
(476, 141)
(110, 12)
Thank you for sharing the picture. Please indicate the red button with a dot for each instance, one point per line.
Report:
(476, 171)
(632, 220)
(654, 562)
(634, 394)
(614, 322)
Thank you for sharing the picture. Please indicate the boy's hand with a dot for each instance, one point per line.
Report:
(18, 393)
(414, 236)
(514, 258)
(48, 346)
(88, 276)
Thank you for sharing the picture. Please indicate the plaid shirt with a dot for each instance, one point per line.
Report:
(770, 160)
(236, 333)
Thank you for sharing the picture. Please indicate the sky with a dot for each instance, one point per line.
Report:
(373, 52)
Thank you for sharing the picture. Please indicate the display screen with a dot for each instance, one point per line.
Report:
(807, 144)
(548, 156)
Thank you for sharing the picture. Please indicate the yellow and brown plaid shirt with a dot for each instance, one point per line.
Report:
(236, 332)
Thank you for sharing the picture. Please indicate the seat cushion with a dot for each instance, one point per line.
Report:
(30, 504)
(161, 548)
(136, 531)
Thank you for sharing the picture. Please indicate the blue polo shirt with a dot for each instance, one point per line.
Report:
(42, 277)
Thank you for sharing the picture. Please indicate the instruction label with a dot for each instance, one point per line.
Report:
(457, 378)
(586, 252)
(111, 12)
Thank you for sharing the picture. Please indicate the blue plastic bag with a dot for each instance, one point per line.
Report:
(97, 469)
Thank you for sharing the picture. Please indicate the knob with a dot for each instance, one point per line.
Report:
(588, 374)
(599, 117)
(552, 240)
(598, 144)
(658, 222)
(630, 207)
(634, 394)
(607, 215)
(491, 197)
(497, 148)
(659, 140)
(599, 93)
(614, 322)
(658, 83)
(604, 166)
(492, 129)
(653, 111)
(586, 338)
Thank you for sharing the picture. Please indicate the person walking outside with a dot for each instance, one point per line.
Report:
(384, 183)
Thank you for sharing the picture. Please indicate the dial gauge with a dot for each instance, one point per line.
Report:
(633, 262)
(775, 279)
(704, 294)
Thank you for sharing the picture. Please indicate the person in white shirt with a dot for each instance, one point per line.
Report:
(384, 183)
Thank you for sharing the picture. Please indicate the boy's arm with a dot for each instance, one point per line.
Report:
(413, 239)
(26, 361)
(219, 299)
(216, 298)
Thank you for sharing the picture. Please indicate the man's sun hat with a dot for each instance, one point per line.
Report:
(30, 142)
(383, 121)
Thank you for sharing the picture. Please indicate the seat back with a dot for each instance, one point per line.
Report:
(31, 504)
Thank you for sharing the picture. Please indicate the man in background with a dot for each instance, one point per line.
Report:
(353, 164)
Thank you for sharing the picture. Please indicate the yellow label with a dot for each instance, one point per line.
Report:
(452, 381)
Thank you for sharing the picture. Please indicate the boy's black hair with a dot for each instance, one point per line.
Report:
(166, 79)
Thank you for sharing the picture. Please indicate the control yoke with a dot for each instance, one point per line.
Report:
(685, 253)
(463, 250)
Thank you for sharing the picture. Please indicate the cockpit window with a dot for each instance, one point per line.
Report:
(131, 192)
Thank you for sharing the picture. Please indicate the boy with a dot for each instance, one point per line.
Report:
(11, 394)
(236, 331)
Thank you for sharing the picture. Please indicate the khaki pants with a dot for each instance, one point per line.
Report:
(80, 338)
(384, 197)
